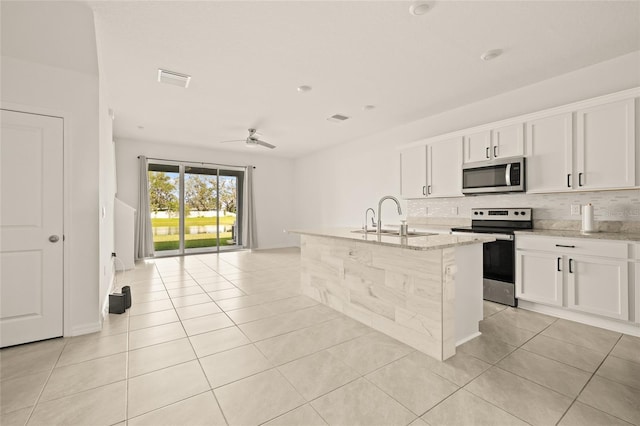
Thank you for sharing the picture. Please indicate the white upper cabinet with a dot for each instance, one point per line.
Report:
(605, 144)
(477, 147)
(601, 154)
(501, 142)
(444, 168)
(413, 166)
(585, 146)
(508, 141)
(550, 148)
(432, 170)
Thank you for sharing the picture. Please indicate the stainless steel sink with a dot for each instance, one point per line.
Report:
(393, 233)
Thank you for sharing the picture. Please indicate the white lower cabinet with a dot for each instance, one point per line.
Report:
(598, 286)
(539, 277)
(584, 275)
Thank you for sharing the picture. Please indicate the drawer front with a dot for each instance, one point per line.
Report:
(569, 246)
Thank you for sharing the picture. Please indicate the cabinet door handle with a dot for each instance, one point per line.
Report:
(486, 152)
(580, 179)
(565, 246)
(429, 189)
(569, 180)
(495, 151)
(558, 264)
(571, 266)
(424, 190)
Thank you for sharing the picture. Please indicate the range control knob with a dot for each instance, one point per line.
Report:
(516, 213)
(522, 213)
(475, 213)
(481, 213)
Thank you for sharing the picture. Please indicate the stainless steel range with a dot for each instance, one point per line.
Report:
(498, 256)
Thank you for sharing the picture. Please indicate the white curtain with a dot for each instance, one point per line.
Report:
(144, 235)
(250, 234)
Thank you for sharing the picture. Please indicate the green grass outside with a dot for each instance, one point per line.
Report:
(172, 242)
(174, 237)
(193, 221)
(199, 243)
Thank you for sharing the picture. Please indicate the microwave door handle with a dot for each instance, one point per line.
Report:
(507, 174)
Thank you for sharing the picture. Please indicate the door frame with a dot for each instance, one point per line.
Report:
(67, 119)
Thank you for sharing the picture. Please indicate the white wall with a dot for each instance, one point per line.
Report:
(107, 183)
(106, 173)
(335, 186)
(73, 95)
(273, 187)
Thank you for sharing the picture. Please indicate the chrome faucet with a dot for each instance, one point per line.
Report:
(373, 219)
(386, 197)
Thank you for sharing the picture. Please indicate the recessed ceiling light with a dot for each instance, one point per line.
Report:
(419, 8)
(491, 54)
(368, 107)
(173, 78)
(304, 89)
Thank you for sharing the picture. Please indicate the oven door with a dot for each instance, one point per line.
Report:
(498, 267)
(498, 261)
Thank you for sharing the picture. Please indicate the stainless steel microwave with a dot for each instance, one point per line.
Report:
(503, 175)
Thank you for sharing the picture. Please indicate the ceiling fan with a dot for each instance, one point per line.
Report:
(252, 140)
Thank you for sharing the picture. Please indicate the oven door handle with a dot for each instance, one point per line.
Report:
(507, 174)
(501, 237)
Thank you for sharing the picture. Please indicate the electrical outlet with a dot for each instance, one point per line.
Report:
(454, 210)
(575, 209)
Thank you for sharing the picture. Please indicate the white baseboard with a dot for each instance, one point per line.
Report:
(86, 328)
(466, 339)
(595, 321)
(110, 289)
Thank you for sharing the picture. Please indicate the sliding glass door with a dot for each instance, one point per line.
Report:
(195, 208)
(164, 207)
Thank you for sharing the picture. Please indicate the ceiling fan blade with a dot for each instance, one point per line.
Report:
(234, 140)
(265, 144)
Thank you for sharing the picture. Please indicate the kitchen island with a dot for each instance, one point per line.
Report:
(423, 290)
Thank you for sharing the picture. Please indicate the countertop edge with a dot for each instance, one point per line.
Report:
(419, 243)
(569, 233)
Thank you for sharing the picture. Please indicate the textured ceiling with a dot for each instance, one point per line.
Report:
(248, 58)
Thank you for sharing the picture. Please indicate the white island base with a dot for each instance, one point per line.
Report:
(429, 298)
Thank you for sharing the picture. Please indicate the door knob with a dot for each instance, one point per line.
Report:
(54, 238)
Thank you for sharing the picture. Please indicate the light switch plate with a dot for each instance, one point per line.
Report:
(575, 209)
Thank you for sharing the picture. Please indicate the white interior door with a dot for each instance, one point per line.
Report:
(31, 226)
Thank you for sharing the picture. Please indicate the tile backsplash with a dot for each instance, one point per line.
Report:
(608, 205)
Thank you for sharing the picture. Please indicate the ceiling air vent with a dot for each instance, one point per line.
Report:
(174, 78)
(338, 118)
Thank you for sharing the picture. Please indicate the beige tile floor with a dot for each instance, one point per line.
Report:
(228, 340)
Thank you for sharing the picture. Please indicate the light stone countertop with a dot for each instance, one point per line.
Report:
(440, 229)
(426, 242)
(570, 233)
